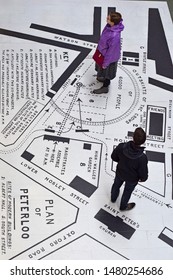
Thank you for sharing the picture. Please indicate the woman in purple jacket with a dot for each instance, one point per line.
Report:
(109, 46)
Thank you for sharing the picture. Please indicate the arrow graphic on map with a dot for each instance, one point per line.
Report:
(80, 117)
(168, 205)
(55, 143)
(72, 124)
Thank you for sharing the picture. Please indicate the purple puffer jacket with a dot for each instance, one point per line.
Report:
(109, 43)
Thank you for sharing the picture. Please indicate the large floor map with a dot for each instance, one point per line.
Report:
(56, 136)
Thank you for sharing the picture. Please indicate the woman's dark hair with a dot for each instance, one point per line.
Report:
(115, 17)
(139, 136)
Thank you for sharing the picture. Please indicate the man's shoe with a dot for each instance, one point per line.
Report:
(101, 90)
(130, 206)
(101, 79)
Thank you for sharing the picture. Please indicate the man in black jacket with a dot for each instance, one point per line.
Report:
(132, 168)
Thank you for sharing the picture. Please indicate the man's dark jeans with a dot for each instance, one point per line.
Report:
(128, 189)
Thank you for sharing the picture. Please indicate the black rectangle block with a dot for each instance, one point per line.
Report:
(115, 224)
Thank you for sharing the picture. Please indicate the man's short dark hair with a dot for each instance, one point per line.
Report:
(139, 136)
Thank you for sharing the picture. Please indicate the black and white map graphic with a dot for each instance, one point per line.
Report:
(56, 136)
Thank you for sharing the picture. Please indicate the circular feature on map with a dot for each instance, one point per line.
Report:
(80, 105)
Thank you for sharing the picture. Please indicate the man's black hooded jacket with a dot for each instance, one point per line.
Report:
(132, 162)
